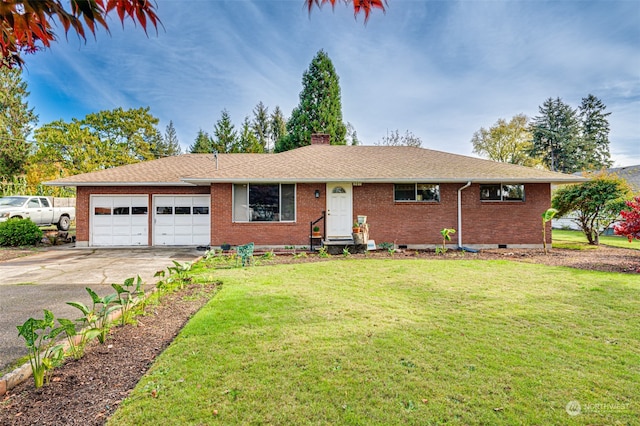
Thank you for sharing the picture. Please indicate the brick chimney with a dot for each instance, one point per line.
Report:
(320, 139)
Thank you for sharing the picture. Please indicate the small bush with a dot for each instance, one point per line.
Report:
(19, 232)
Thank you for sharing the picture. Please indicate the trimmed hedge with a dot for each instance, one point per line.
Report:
(19, 232)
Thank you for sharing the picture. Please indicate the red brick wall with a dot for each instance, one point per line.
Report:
(223, 230)
(83, 201)
(483, 222)
(409, 223)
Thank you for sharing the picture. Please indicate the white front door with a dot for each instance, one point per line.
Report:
(339, 210)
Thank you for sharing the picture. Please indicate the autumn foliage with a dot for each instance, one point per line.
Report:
(27, 25)
(630, 224)
(359, 6)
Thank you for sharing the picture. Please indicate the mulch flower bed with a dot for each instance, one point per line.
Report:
(89, 390)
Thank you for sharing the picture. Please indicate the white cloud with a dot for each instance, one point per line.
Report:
(441, 70)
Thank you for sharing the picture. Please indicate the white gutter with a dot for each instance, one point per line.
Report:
(468, 184)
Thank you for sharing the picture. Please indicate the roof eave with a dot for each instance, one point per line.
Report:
(114, 183)
(556, 181)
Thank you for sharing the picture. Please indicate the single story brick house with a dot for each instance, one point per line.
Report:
(408, 195)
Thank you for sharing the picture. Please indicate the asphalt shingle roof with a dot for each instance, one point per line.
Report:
(318, 163)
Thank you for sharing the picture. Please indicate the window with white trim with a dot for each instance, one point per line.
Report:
(502, 192)
(426, 192)
(270, 202)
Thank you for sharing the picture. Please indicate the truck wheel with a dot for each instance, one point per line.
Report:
(64, 223)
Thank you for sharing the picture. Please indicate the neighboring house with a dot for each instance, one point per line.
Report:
(408, 195)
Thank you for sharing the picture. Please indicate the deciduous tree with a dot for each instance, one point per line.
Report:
(594, 205)
(394, 138)
(128, 135)
(630, 224)
(16, 122)
(359, 6)
(99, 141)
(28, 26)
(507, 142)
(320, 107)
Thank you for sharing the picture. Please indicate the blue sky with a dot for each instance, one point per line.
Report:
(439, 69)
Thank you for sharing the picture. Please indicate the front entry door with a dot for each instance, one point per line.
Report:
(339, 211)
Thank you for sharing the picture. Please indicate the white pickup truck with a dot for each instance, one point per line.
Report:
(39, 209)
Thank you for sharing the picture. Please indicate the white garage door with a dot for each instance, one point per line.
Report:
(181, 220)
(119, 220)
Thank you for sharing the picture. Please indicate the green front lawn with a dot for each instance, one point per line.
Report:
(577, 240)
(394, 342)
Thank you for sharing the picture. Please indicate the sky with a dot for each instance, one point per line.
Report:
(438, 69)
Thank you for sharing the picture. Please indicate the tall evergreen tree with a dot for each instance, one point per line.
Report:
(594, 134)
(203, 144)
(555, 136)
(260, 125)
(277, 127)
(225, 137)
(169, 145)
(16, 122)
(320, 107)
(352, 135)
(247, 140)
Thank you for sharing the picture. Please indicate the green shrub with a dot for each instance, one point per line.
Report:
(19, 232)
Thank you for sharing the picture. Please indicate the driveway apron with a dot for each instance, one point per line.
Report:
(50, 279)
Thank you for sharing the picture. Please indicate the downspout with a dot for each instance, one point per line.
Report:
(468, 184)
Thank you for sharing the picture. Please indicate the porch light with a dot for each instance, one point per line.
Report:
(317, 193)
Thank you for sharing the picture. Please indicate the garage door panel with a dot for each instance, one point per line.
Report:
(182, 220)
(119, 220)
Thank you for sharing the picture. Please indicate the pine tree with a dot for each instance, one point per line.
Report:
(247, 141)
(260, 125)
(594, 134)
(320, 107)
(555, 136)
(352, 135)
(277, 127)
(169, 145)
(225, 136)
(16, 122)
(203, 144)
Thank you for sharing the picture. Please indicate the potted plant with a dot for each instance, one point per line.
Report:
(316, 232)
(225, 246)
(356, 227)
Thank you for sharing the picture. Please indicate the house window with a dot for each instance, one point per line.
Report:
(502, 192)
(416, 192)
(264, 203)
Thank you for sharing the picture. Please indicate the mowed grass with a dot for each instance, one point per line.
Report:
(395, 342)
(576, 240)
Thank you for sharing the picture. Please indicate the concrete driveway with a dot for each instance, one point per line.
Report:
(50, 279)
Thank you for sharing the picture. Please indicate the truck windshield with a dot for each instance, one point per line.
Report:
(12, 201)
